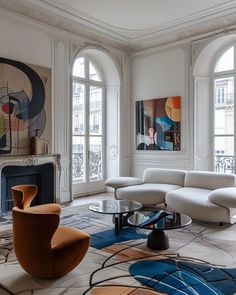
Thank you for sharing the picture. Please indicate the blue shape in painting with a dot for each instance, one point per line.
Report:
(178, 277)
(163, 124)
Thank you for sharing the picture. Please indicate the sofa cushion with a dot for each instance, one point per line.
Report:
(194, 202)
(147, 193)
(168, 176)
(224, 196)
(116, 182)
(209, 180)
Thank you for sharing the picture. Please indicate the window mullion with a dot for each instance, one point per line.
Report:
(224, 135)
(87, 99)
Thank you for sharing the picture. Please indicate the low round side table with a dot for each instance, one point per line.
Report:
(117, 208)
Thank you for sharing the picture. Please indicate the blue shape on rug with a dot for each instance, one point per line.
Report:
(106, 238)
(176, 277)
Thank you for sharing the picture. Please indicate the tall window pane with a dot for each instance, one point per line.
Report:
(93, 73)
(226, 62)
(79, 68)
(224, 105)
(78, 108)
(78, 128)
(95, 158)
(224, 97)
(95, 110)
(78, 154)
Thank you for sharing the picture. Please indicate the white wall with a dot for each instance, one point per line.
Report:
(162, 74)
(159, 75)
(25, 45)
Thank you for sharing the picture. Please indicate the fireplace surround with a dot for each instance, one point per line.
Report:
(41, 170)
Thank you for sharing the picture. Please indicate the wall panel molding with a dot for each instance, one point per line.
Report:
(61, 114)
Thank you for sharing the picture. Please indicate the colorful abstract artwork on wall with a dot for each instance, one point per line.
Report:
(25, 106)
(158, 123)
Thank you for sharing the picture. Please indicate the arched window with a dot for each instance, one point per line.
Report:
(224, 113)
(87, 126)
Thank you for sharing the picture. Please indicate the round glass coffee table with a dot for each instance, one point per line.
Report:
(158, 222)
(117, 208)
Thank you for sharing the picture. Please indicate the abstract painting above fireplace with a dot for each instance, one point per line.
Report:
(25, 106)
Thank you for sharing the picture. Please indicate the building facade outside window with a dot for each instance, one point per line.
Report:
(224, 114)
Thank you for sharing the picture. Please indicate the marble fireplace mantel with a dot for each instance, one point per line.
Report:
(35, 160)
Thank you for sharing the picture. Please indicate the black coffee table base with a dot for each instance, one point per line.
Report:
(158, 240)
(120, 210)
(120, 220)
(158, 223)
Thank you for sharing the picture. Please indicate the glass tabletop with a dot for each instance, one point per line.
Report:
(159, 220)
(115, 206)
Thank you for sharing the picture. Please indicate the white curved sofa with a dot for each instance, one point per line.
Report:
(206, 196)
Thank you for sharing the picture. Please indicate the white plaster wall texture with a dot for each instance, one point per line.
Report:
(161, 75)
(24, 44)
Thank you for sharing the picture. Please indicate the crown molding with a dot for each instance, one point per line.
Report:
(39, 21)
(183, 43)
(132, 36)
(71, 16)
(169, 37)
(77, 23)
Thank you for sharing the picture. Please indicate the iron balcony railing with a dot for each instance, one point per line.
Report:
(224, 164)
(95, 165)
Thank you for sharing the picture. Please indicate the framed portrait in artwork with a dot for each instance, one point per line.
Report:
(158, 124)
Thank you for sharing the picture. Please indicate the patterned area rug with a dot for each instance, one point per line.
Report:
(201, 260)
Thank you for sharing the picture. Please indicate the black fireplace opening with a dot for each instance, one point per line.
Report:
(40, 175)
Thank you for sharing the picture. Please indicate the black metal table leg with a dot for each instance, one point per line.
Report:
(158, 240)
(120, 220)
(117, 224)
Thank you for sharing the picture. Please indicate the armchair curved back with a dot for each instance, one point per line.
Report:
(32, 235)
(23, 195)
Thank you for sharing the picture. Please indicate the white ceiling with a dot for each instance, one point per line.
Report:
(140, 14)
(134, 23)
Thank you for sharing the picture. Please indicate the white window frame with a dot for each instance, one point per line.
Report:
(221, 75)
(87, 82)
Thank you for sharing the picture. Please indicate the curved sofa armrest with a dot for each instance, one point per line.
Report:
(116, 182)
(225, 197)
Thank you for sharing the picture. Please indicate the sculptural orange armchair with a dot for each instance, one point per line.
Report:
(42, 247)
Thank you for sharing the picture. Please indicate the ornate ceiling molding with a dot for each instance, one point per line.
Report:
(60, 15)
(133, 35)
